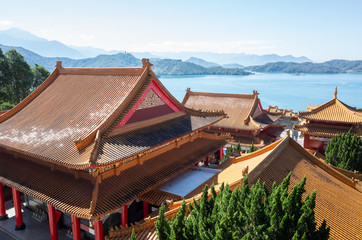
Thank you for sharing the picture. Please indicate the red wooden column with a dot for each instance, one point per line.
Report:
(3, 215)
(52, 222)
(124, 216)
(18, 215)
(207, 161)
(221, 153)
(75, 228)
(98, 230)
(146, 209)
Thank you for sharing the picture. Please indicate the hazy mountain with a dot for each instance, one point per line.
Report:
(21, 38)
(226, 58)
(144, 55)
(233, 65)
(116, 60)
(93, 52)
(202, 62)
(161, 66)
(333, 66)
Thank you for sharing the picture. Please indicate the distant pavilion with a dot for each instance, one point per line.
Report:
(322, 122)
(247, 122)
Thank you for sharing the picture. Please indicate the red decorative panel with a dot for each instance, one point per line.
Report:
(153, 103)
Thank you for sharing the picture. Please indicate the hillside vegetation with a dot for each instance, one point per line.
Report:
(333, 66)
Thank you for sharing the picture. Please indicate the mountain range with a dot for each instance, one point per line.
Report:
(226, 58)
(161, 66)
(20, 38)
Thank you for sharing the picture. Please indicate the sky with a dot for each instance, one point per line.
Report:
(318, 29)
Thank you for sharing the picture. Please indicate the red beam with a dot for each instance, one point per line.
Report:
(221, 153)
(18, 215)
(75, 228)
(146, 209)
(124, 216)
(52, 222)
(98, 230)
(3, 215)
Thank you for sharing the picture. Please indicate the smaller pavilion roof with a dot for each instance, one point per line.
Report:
(244, 111)
(333, 111)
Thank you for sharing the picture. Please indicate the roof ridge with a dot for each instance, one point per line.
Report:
(81, 143)
(235, 95)
(252, 109)
(348, 109)
(325, 167)
(318, 107)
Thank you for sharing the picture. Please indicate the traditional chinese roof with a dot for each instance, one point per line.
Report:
(91, 117)
(91, 198)
(284, 112)
(324, 130)
(244, 110)
(333, 111)
(90, 140)
(273, 163)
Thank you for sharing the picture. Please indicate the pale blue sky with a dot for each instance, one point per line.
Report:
(319, 29)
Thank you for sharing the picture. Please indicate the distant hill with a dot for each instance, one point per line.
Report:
(21, 38)
(178, 67)
(161, 66)
(233, 65)
(93, 52)
(226, 58)
(202, 62)
(333, 66)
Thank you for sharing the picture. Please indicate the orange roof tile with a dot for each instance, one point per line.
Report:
(68, 119)
(91, 198)
(323, 130)
(333, 111)
(242, 109)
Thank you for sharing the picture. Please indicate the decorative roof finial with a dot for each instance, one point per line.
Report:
(59, 65)
(146, 63)
(335, 93)
(188, 89)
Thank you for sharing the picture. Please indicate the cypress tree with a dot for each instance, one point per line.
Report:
(247, 213)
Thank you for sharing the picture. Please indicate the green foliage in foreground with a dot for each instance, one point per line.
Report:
(252, 148)
(345, 151)
(246, 213)
(17, 78)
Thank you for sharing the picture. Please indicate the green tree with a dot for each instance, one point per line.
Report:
(251, 149)
(133, 235)
(17, 79)
(247, 213)
(345, 151)
(21, 77)
(162, 225)
(39, 76)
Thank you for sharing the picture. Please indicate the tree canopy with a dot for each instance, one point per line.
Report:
(17, 78)
(246, 213)
(345, 151)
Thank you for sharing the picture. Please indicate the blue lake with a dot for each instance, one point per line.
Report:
(285, 90)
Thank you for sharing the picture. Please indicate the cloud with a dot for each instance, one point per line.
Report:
(86, 37)
(6, 22)
(208, 46)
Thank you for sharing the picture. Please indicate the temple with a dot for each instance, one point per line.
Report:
(247, 122)
(89, 143)
(273, 163)
(323, 122)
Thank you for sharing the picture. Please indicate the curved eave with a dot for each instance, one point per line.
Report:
(175, 141)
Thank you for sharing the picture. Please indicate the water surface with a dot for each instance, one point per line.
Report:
(285, 90)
